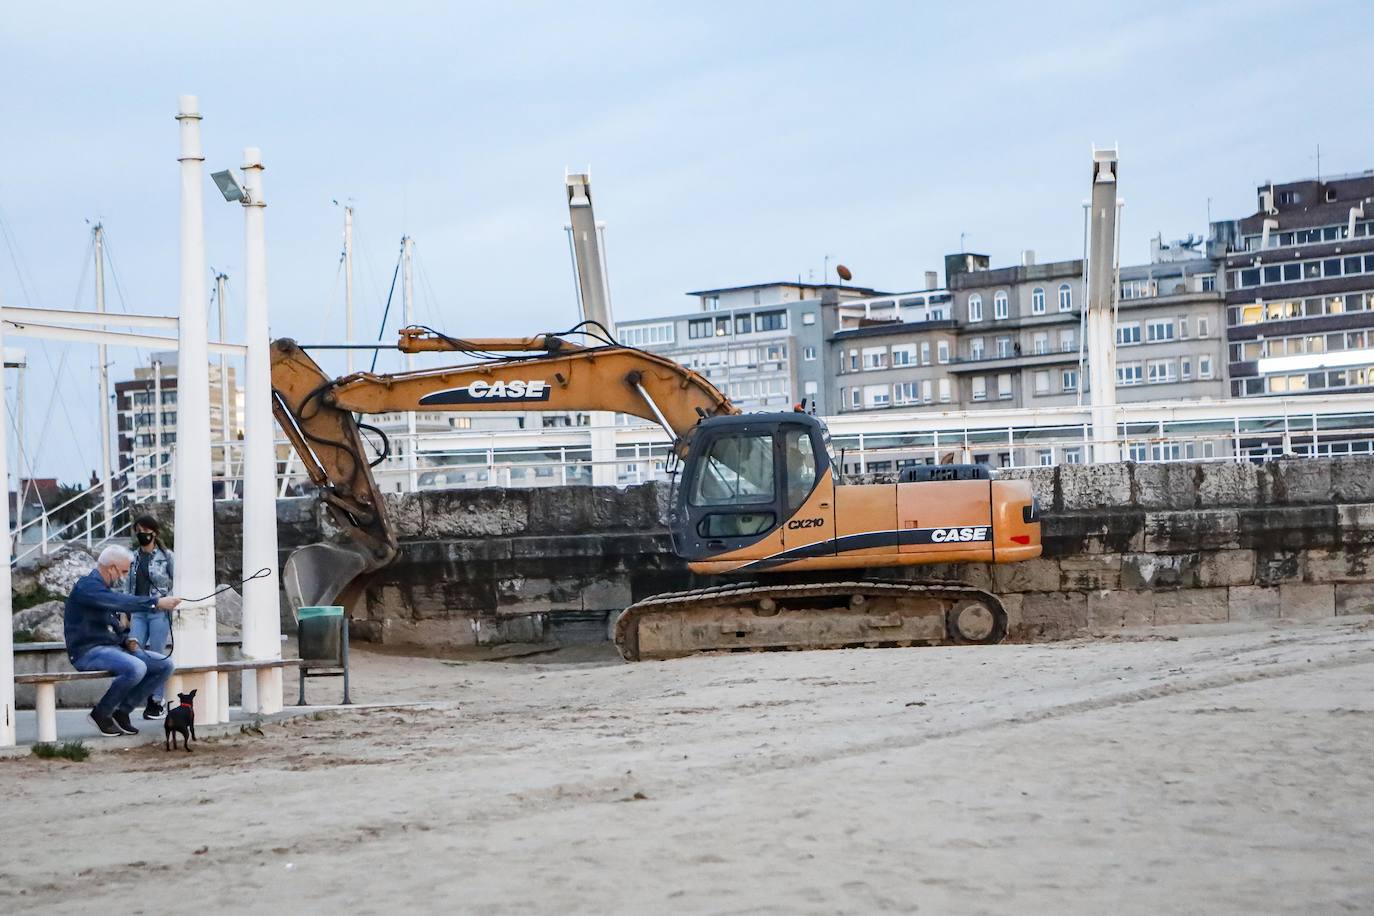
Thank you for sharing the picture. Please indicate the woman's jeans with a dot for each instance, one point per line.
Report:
(151, 629)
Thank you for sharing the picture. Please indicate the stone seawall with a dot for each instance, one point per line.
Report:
(1125, 545)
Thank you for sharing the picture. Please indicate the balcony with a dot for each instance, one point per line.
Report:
(966, 364)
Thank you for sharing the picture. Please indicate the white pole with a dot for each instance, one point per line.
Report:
(261, 611)
(156, 462)
(106, 499)
(408, 299)
(7, 731)
(348, 286)
(195, 520)
(225, 423)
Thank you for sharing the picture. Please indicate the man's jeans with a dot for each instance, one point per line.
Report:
(151, 629)
(137, 676)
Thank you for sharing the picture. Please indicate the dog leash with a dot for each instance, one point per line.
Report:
(171, 631)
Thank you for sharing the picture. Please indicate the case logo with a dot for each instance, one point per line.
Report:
(946, 535)
(483, 392)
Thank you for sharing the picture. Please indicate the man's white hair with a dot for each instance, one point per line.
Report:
(114, 554)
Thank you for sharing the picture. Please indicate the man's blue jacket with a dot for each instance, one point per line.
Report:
(90, 616)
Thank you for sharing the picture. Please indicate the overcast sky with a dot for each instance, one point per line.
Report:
(729, 143)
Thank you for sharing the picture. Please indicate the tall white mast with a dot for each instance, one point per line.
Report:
(408, 304)
(106, 500)
(1101, 306)
(226, 426)
(348, 285)
(587, 237)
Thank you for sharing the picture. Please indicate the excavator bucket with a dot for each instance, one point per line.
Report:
(325, 574)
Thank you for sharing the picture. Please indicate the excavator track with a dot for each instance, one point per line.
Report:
(759, 617)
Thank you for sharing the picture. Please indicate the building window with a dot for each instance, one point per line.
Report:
(1137, 289)
(877, 396)
(1003, 347)
(1209, 449)
(975, 348)
(975, 307)
(903, 355)
(699, 328)
(1159, 330)
(758, 296)
(1046, 457)
(874, 358)
(1038, 301)
(1040, 342)
(1042, 381)
(1004, 386)
(980, 388)
(1067, 344)
(1160, 371)
(1065, 298)
(925, 353)
(1185, 368)
(1209, 282)
(1204, 367)
(853, 360)
(944, 391)
(722, 327)
(855, 397)
(1203, 326)
(1183, 326)
(1129, 374)
(1127, 334)
(1073, 455)
(647, 335)
(711, 303)
(743, 323)
(771, 321)
(808, 353)
(999, 305)
(942, 351)
(926, 388)
(1068, 380)
(809, 318)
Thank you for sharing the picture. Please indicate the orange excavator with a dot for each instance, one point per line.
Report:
(757, 499)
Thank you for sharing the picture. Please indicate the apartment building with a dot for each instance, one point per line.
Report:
(1300, 288)
(894, 351)
(764, 345)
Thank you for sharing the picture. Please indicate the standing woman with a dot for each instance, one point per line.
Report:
(151, 576)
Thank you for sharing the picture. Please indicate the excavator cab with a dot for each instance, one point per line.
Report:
(744, 480)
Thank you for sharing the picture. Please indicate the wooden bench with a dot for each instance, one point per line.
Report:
(45, 687)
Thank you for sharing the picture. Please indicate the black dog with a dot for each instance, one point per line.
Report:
(181, 720)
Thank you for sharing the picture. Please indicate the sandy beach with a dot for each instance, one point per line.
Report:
(1205, 769)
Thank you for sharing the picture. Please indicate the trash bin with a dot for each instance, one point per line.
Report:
(319, 634)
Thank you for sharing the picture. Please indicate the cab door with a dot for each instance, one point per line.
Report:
(733, 499)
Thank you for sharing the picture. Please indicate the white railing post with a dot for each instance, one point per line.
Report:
(7, 711)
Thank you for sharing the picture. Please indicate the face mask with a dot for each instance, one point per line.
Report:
(145, 538)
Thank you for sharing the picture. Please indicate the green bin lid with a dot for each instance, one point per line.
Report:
(328, 611)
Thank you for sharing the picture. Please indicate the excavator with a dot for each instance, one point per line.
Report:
(756, 499)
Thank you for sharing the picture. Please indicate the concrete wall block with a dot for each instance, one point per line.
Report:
(1226, 568)
(1053, 615)
(1038, 575)
(1354, 598)
(1307, 601)
(1289, 527)
(1253, 602)
(1090, 573)
(1225, 484)
(1296, 481)
(1200, 529)
(1013, 605)
(1273, 567)
(608, 594)
(1094, 486)
(477, 513)
(1352, 479)
(1077, 534)
(1159, 571)
(1347, 564)
(1192, 605)
(1355, 522)
(1164, 486)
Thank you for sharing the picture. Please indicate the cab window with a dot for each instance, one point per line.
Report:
(738, 470)
(800, 460)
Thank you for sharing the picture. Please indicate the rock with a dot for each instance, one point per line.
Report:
(42, 621)
(58, 572)
(229, 613)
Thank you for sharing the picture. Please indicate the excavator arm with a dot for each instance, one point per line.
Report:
(544, 372)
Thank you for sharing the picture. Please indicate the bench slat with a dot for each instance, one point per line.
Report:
(49, 677)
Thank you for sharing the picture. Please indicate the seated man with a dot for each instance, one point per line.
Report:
(95, 623)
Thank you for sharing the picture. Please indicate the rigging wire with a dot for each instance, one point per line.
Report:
(387, 311)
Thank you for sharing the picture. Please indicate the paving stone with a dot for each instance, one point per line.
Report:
(1354, 598)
